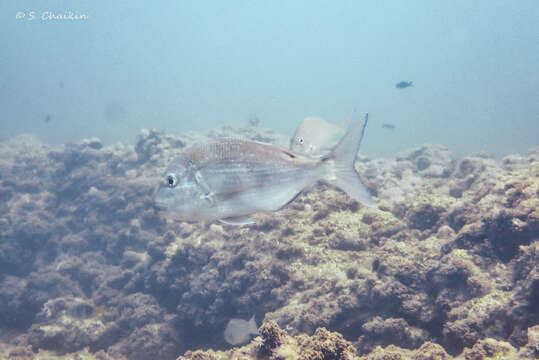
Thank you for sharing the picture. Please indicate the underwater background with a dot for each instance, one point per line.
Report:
(98, 97)
(194, 65)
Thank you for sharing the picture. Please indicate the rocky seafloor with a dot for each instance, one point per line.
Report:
(444, 266)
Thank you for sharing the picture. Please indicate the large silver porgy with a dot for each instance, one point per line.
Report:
(230, 179)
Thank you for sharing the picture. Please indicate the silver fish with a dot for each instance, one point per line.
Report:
(316, 136)
(230, 179)
(239, 331)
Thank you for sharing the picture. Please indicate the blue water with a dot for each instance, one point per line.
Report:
(195, 65)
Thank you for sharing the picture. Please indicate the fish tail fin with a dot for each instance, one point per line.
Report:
(344, 175)
(253, 329)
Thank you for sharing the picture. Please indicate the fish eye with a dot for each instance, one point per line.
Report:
(171, 180)
(300, 140)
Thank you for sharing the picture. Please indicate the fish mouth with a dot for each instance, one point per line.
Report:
(160, 198)
(162, 203)
(170, 204)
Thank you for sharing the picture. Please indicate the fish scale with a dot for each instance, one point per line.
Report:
(237, 150)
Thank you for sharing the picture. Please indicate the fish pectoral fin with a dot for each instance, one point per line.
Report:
(208, 193)
(237, 220)
(201, 182)
(209, 198)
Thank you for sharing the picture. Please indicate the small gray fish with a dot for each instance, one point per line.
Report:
(253, 120)
(388, 126)
(404, 84)
(230, 179)
(239, 331)
(316, 137)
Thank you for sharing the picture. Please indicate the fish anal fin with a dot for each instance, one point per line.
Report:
(290, 201)
(237, 220)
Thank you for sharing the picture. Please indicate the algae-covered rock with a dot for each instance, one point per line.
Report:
(273, 337)
(325, 345)
(531, 350)
(430, 351)
(398, 330)
(490, 348)
(91, 268)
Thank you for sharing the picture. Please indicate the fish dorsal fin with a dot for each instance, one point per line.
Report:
(237, 220)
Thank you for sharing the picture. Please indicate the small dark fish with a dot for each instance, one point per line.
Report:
(404, 84)
(115, 111)
(388, 126)
(48, 118)
(253, 120)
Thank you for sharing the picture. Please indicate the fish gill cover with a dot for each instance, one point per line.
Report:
(445, 265)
